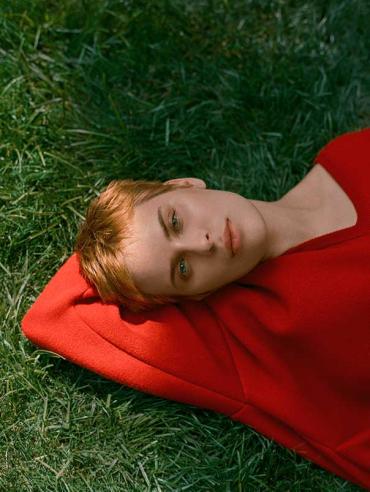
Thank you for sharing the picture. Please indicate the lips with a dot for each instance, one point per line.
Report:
(235, 237)
(227, 237)
(231, 237)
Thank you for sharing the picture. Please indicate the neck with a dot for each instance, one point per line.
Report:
(287, 224)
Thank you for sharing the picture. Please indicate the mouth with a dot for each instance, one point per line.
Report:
(227, 238)
(231, 237)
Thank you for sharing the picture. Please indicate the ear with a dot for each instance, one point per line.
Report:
(196, 182)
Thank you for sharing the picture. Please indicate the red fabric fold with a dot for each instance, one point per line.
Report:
(286, 349)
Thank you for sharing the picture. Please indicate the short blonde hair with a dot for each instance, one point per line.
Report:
(101, 239)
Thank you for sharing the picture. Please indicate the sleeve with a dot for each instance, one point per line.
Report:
(176, 352)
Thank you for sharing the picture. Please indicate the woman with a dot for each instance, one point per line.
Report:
(156, 243)
(280, 340)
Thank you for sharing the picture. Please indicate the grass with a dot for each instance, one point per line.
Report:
(239, 93)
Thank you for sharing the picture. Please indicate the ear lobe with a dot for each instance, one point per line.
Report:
(196, 182)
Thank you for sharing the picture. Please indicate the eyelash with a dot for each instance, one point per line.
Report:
(174, 215)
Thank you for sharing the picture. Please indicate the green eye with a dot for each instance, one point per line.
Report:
(182, 273)
(175, 220)
(183, 269)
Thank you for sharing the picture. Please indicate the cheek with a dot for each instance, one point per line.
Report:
(213, 275)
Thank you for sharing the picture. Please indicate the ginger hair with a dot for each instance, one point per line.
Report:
(102, 236)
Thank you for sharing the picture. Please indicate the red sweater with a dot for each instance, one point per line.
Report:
(286, 349)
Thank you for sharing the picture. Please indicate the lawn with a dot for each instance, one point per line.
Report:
(242, 94)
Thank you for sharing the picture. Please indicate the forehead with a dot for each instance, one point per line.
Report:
(172, 193)
(182, 193)
(146, 254)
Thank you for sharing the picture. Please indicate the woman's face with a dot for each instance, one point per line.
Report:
(193, 246)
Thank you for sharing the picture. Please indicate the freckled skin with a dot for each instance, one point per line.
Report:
(200, 216)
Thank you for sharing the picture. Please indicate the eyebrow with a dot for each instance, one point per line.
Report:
(167, 234)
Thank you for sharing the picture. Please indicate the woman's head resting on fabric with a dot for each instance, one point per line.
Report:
(146, 243)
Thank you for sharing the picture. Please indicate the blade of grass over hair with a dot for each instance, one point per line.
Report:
(241, 94)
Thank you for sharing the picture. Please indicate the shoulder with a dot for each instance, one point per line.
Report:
(349, 143)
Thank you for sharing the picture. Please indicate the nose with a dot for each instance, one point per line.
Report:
(196, 242)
